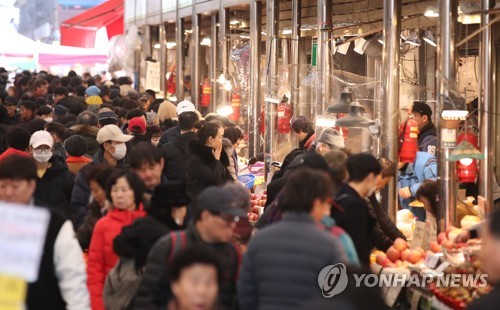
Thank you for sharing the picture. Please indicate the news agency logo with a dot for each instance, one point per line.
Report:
(333, 280)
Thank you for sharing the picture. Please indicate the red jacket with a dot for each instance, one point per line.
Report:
(101, 255)
(12, 151)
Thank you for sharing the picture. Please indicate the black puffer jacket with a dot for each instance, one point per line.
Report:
(54, 188)
(281, 267)
(174, 154)
(204, 169)
(386, 224)
(154, 290)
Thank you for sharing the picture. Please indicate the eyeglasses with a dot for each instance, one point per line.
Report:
(226, 217)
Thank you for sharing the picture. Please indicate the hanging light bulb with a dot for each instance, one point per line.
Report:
(343, 105)
(355, 118)
(466, 161)
(455, 115)
(206, 41)
(431, 11)
(413, 39)
(429, 38)
(228, 86)
(221, 79)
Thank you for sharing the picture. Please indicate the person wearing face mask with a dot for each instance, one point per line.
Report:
(207, 162)
(352, 211)
(55, 181)
(112, 151)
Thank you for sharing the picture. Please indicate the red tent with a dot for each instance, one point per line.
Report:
(80, 30)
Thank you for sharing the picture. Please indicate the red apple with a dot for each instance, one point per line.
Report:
(255, 209)
(393, 254)
(404, 255)
(435, 247)
(448, 244)
(381, 258)
(442, 237)
(400, 244)
(414, 256)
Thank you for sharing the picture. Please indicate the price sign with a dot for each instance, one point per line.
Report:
(418, 235)
(431, 261)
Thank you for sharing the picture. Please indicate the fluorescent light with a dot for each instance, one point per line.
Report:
(454, 115)
(228, 86)
(272, 100)
(171, 45)
(157, 46)
(325, 122)
(287, 31)
(234, 22)
(244, 37)
(469, 19)
(221, 79)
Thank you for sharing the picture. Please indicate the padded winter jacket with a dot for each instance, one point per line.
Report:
(174, 154)
(102, 258)
(281, 266)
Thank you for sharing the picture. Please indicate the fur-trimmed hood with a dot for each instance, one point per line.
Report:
(85, 130)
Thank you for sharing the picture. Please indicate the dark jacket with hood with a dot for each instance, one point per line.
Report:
(355, 218)
(138, 139)
(55, 187)
(204, 169)
(174, 154)
(427, 139)
(89, 133)
(170, 134)
(303, 145)
(80, 197)
(386, 225)
(154, 290)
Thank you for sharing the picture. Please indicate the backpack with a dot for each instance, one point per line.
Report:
(121, 285)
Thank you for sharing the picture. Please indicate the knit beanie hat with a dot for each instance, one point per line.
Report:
(331, 137)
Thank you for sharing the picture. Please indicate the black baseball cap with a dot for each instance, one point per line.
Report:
(422, 108)
(224, 200)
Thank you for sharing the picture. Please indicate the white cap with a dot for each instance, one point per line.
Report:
(185, 106)
(112, 133)
(41, 138)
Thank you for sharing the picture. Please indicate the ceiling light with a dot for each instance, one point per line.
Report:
(234, 22)
(355, 118)
(431, 11)
(413, 39)
(380, 38)
(206, 41)
(360, 46)
(429, 38)
(228, 86)
(221, 79)
(465, 152)
(323, 121)
(157, 46)
(343, 48)
(466, 13)
(225, 110)
(455, 115)
(343, 105)
(286, 31)
(469, 19)
(171, 45)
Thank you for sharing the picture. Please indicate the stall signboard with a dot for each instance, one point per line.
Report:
(153, 79)
(448, 137)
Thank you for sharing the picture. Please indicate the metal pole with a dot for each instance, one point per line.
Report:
(179, 56)
(486, 108)
(390, 96)
(195, 66)
(446, 77)
(422, 70)
(163, 57)
(213, 65)
(272, 7)
(324, 87)
(224, 30)
(295, 75)
(255, 77)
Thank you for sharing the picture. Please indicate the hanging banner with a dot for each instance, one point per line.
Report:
(314, 54)
(153, 79)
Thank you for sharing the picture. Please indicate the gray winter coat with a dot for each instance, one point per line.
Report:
(281, 267)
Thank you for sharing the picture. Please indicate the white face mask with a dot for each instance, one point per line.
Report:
(49, 119)
(42, 156)
(120, 151)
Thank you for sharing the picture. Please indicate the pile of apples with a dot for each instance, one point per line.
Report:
(400, 255)
(256, 201)
(446, 239)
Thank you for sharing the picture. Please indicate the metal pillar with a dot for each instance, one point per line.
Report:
(163, 57)
(195, 66)
(446, 77)
(179, 56)
(422, 71)
(213, 64)
(272, 8)
(324, 87)
(295, 75)
(224, 30)
(255, 77)
(486, 108)
(390, 96)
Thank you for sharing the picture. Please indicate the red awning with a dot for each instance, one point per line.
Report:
(80, 30)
